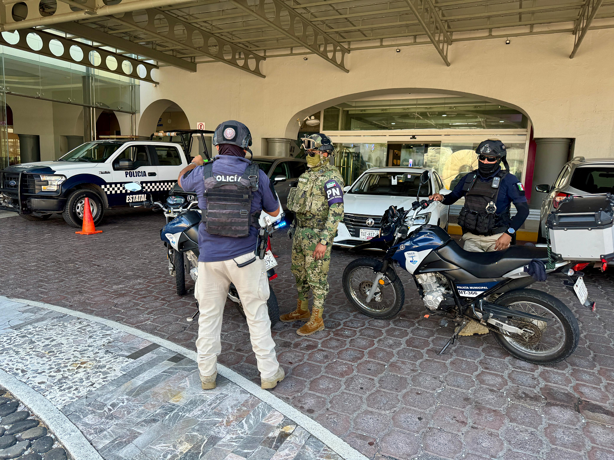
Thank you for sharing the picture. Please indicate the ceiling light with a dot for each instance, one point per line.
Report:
(412, 137)
(507, 41)
(501, 121)
(393, 123)
(305, 58)
(444, 115)
(398, 50)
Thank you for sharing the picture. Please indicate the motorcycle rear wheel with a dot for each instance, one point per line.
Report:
(358, 278)
(557, 339)
(272, 305)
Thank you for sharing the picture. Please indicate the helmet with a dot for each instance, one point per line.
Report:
(233, 132)
(492, 148)
(319, 142)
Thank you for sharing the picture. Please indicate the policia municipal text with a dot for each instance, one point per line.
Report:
(232, 191)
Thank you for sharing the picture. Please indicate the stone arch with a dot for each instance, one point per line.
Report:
(150, 117)
(293, 126)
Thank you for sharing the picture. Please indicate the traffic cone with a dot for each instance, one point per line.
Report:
(88, 222)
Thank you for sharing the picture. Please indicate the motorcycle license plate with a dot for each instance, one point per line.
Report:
(367, 234)
(581, 290)
(269, 260)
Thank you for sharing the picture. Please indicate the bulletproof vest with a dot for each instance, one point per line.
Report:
(229, 201)
(479, 214)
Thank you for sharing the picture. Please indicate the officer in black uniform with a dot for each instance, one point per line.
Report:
(232, 191)
(489, 191)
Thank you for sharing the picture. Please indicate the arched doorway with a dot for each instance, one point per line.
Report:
(162, 115)
(107, 124)
(417, 128)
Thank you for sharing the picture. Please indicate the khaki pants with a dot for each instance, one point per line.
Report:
(252, 284)
(480, 243)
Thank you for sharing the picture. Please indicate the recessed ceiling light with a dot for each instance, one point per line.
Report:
(444, 115)
(501, 121)
(393, 123)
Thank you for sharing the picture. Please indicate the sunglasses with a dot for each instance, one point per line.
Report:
(487, 158)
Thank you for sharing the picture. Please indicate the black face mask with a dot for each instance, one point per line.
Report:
(486, 169)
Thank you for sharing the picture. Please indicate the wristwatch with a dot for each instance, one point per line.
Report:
(510, 231)
(323, 242)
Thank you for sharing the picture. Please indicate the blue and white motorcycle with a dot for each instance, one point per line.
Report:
(462, 286)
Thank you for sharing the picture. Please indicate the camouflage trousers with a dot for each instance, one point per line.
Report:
(310, 273)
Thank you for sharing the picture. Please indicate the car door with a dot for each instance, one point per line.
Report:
(170, 163)
(143, 171)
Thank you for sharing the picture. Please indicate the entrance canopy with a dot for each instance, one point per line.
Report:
(132, 37)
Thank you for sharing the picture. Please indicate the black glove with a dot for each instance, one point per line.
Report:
(291, 231)
(537, 270)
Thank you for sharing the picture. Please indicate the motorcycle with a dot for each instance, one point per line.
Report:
(462, 286)
(180, 236)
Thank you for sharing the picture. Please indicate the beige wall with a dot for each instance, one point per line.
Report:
(572, 98)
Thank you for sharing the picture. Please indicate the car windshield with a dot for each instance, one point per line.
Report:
(264, 165)
(391, 183)
(92, 152)
(593, 179)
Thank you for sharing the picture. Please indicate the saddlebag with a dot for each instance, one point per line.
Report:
(582, 228)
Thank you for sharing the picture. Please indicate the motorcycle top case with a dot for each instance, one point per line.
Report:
(582, 228)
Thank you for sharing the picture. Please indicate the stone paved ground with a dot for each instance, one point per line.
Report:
(378, 384)
(148, 405)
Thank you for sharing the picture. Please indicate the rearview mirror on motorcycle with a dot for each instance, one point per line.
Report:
(133, 187)
(424, 177)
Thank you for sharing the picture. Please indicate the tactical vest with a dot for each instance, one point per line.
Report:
(479, 214)
(229, 202)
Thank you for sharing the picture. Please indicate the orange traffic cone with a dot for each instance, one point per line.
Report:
(88, 222)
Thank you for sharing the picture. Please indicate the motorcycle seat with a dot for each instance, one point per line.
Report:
(491, 264)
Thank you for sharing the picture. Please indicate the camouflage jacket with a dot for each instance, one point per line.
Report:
(317, 200)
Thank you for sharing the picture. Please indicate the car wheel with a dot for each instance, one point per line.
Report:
(75, 205)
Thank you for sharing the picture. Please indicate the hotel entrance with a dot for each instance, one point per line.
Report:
(410, 154)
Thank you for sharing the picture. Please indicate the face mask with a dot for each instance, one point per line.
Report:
(487, 169)
(314, 161)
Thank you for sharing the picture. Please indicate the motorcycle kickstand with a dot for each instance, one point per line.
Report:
(457, 331)
(189, 320)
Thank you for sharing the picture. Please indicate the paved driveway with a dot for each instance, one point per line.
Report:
(378, 384)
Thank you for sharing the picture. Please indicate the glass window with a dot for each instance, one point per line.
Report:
(593, 180)
(562, 177)
(395, 184)
(331, 119)
(264, 165)
(296, 168)
(280, 170)
(354, 159)
(92, 152)
(138, 154)
(168, 156)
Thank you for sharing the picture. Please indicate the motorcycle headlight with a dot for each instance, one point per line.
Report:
(421, 219)
(50, 183)
(175, 200)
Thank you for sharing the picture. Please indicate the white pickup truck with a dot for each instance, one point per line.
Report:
(97, 170)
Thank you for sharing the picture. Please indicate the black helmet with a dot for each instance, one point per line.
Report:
(492, 148)
(233, 132)
(319, 142)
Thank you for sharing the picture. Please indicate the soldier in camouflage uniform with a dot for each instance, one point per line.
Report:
(318, 203)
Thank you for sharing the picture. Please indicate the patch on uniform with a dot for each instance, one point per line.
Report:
(229, 134)
(334, 192)
(520, 187)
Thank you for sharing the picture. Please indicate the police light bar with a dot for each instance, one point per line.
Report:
(281, 224)
(166, 133)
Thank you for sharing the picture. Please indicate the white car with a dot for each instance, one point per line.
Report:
(379, 188)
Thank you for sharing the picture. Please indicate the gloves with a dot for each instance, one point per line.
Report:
(537, 270)
(291, 231)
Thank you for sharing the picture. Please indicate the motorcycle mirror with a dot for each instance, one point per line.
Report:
(133, 187)
(424, 177)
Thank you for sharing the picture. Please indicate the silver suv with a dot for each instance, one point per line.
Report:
(578, 177)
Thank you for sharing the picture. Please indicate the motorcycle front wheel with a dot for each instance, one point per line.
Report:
(358, 279)
(179, 272)
(546, 342)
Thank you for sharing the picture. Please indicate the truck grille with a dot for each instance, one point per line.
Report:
(354, 222)
(9, 183)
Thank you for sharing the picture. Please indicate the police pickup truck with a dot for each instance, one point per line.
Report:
(96, 170)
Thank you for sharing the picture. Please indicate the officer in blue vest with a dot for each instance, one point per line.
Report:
(231, 192)
(489, 192)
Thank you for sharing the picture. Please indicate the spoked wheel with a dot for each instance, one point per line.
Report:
(540, 342)
(358, 278)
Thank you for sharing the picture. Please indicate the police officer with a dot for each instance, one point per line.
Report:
(231, 192)
(318, 203)
(489, 191)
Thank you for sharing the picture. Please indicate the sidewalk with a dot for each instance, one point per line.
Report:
(135, 396)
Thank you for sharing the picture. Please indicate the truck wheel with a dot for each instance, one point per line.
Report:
(73, 211)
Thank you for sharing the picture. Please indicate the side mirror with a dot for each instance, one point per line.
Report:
(124, 165)
(424, 177)
(444, 191)
(347, 188)
(132, 186)
(543, 188)
(279, 178)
